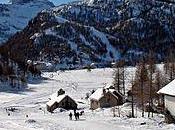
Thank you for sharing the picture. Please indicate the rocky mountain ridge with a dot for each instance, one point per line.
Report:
(97, 31)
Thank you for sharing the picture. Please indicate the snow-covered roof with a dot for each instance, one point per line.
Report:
(98, 94)
(169, 89)
(109, 86)
(56, 99)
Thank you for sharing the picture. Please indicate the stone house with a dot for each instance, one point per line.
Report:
(102, 98)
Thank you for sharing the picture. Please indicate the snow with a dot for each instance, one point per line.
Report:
(84, 40)
(104, 40)
(61, 20)
(168, 89)
(29, 62)
(54, 95)
(50, 32)
(36, 35)
(56, 99)
(32, 102)
(91, 2)
(72, 9)
(97, 94)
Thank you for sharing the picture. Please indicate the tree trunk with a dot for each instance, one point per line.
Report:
(124, 80)
(142, 102)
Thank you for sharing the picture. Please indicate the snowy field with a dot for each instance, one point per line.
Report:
(30, 109)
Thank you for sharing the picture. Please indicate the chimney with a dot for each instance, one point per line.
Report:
(60, 92)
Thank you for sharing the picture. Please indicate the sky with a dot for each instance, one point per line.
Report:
(56, 2)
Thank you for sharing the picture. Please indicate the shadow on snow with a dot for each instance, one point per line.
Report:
(7, 88)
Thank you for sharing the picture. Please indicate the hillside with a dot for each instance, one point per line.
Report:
(96, 31)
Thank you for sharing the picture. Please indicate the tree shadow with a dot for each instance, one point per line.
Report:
(7, 88)
(15, 90)
(37, 80)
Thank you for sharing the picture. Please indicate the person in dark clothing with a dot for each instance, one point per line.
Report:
(78, 115)
(75, 114)
(70, 116)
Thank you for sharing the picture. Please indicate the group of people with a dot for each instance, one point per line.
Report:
(76, 115)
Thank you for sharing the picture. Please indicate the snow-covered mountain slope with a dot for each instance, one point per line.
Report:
(14, 17)
(99, 31)
(68, 44)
